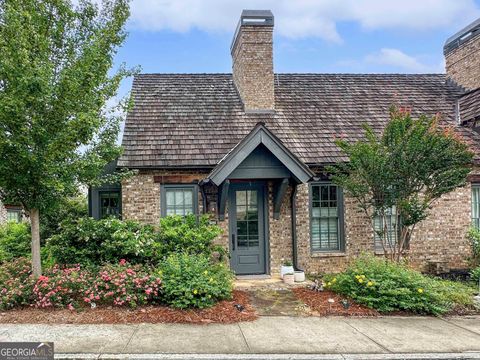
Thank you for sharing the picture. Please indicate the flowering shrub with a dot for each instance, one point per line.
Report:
(388, 286)
(192, 281)
(75, 286)
(16, 283)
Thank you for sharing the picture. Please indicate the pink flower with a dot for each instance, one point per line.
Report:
(70, 307)
(122, 262)
(87, 300)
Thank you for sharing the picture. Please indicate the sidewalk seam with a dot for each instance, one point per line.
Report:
(459, 326)
(244, 338)
(131, 337)
(368, 337)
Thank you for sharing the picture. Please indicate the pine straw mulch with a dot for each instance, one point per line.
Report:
(223, 312)
(318, 303)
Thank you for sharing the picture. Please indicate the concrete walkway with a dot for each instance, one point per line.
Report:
(268, 335)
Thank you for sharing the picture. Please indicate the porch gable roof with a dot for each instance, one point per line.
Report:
(260, 135)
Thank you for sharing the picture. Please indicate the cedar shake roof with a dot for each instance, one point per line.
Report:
(194, 120)
(469, 106)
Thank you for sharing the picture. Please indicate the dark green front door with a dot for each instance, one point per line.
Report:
(247, 228)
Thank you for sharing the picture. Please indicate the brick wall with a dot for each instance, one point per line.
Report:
(3, 213)
(253, 74)
(141, 193)
(463, 64)
(439, 238)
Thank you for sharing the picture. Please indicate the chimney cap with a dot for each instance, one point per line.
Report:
(256, 18)
(462, 36)
(252, 18)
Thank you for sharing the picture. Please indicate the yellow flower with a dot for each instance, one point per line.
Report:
(211, 279)
(362, 276)
(329, 283)
(370, 283)
(195, 291)
(357, 277)
(334, 280)
(360, 280)
(206, 272)
(420, 290)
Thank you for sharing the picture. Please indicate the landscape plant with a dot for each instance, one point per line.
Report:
(193, 281)
(473, 237)
(401, 173)
(55, 73)
(389, 286)
(15, 240)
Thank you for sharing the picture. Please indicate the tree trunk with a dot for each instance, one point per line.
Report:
(36, 261)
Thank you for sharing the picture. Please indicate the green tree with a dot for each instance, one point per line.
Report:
(55, 79)
(412, 164)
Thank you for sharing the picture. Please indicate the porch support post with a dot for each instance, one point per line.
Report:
(222, 202)
(278, 195)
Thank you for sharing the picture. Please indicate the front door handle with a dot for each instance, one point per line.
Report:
(233, 241)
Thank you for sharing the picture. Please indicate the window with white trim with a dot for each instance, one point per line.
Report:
(14, 215)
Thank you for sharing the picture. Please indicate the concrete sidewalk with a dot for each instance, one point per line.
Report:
(268, 335)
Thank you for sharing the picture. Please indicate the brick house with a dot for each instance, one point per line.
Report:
(251, 147)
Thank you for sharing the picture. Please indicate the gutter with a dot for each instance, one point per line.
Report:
(293, 203)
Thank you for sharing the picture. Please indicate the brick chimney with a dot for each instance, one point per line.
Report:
(462, 56)
(252, 57)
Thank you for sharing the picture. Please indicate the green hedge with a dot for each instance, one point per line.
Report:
(15, 240)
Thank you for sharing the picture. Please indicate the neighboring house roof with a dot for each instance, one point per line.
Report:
(194, 120)
(469, 106)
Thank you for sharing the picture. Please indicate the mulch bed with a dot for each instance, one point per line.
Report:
(223, 312)
(318, 303)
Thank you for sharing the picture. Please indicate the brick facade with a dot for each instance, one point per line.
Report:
(440, 238)
(3, 213)
(463, 64)
(253, 66)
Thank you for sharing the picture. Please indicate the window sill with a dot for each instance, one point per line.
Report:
(320, 254)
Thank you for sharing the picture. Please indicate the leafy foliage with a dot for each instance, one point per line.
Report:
(16, 283)
(409, 166)
(95, 242)
(65, 209)
(192, 281)
(475, 275)
(188, 234)
(14, 241)
(388, 286)
(55, 80)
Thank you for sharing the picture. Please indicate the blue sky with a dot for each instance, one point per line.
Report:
(359, 36)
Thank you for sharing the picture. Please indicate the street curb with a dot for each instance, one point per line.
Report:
(419, 356)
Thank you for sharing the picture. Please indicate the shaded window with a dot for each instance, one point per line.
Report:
(14, 215)
(179, 200)
(109, 204)
(476, 205)
(326, 217)
(391, 227)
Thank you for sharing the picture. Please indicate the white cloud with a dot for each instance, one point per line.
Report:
(303, 18)
(398, 59)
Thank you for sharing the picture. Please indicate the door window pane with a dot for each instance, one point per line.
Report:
(247, 219)
(325, 218)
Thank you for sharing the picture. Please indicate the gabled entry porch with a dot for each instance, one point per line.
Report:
(253, 180)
